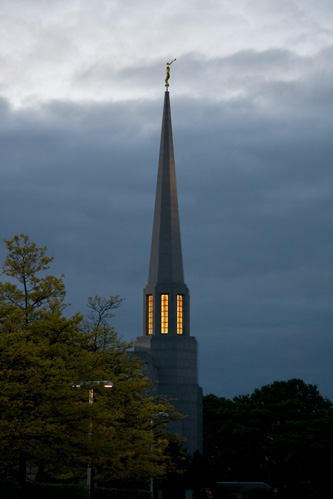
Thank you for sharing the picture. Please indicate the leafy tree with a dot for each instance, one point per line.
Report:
(52, 366)
(39, 352)
(281, 434)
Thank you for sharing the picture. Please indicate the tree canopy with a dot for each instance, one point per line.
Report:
(53, 366)
(282, 434)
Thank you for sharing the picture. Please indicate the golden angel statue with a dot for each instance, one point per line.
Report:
(167, 76)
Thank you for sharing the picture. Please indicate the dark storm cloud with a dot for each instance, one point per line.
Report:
(255, 183)
(71, 176)
(261, 242)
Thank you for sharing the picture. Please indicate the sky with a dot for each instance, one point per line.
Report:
(81, 98)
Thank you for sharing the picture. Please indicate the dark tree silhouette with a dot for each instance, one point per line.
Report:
(282, 434)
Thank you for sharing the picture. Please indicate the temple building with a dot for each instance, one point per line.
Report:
(169, 351)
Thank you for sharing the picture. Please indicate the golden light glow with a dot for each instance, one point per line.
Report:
(164, 313)
(150, 314)
(179, 314)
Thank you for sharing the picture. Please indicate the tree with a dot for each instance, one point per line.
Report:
(281, 434)
(51, 366)
(39, 350)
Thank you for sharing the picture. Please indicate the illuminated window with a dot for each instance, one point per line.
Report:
(150, 314)
(180, 314)
(164, 313)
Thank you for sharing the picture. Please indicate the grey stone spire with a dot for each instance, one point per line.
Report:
(169, 352)
(166, 296)
(166, 261)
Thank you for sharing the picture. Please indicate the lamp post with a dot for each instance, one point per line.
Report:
(161, 416)
(106, 384)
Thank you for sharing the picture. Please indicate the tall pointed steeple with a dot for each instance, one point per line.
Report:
(166, 296)
(166, 261)
(169, 352)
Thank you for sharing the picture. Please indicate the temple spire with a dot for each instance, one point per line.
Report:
(167, 348)
(166, 262)
(166, 296)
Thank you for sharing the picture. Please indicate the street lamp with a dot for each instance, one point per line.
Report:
(161, 416)
(106, 384)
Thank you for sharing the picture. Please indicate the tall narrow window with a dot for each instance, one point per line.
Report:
(180, 322)
(150, 314)
(164, 313)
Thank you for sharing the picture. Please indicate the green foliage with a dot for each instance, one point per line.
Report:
(281, 434)
(41, 351)
(52, 367)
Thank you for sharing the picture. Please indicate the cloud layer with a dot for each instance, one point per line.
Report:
(112, 49)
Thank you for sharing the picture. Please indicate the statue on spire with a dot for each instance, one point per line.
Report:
(167, 76)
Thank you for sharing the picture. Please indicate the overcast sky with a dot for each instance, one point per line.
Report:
(81, 97)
